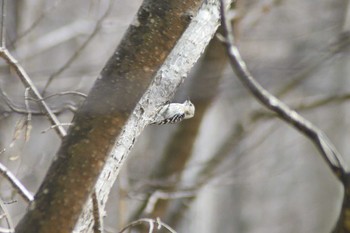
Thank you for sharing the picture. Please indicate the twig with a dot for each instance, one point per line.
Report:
(151, 225)
(10, 202)
(64, 93)
(20, 125)
(3, 29)
(12, 62)
(81, 48)
(326, 148)
(7, 217)
(55, 126)
(304, 106)
(29, 116)
(17, 109)
(159, 194)
(35, 23)
(16, 184)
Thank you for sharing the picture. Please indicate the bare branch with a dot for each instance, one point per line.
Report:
(307, 105)
(3, 28)
(22, 74)
(29, 116)
(81, 48)
(340, 42)
(17, 109)
(55, 126)
(162, 195)
(151, 223)
(326, 148)
(8, 219)
(77, 93)
(16, 184)
(20, 110)
(36, 22)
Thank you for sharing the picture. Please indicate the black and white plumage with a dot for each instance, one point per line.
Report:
(174, 113)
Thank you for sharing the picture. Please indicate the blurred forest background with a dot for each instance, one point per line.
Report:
(234, 167)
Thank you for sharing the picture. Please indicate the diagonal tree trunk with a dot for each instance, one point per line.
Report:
(179, 62)
(97, 124)
(176, 155)
(119, 106)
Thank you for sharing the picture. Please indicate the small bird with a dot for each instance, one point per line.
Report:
(174, 112)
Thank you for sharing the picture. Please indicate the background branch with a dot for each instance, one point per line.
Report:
(159, 224)
(322, 143)
(76, 54)
(22, 74)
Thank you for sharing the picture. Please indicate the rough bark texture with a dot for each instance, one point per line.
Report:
(202, 95)
(178, 152)
(97, 124)
(169, 77)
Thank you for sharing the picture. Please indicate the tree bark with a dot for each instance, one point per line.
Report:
(98, 123)
(172, 73)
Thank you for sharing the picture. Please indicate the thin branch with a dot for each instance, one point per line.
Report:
(55, 126)
(13, 63)
(20, 124)
(162, 195)
(151, 223)
(80, 49)
(342, 41)
(338, 98)
(17, 109)
(77, 93)
(241, 130)
(35, 23)
(304, 106)
(326, 148)
(22, 74)
(8, 219)
(16, 184)
(10, 202)
(3, 28)
(29, 116)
